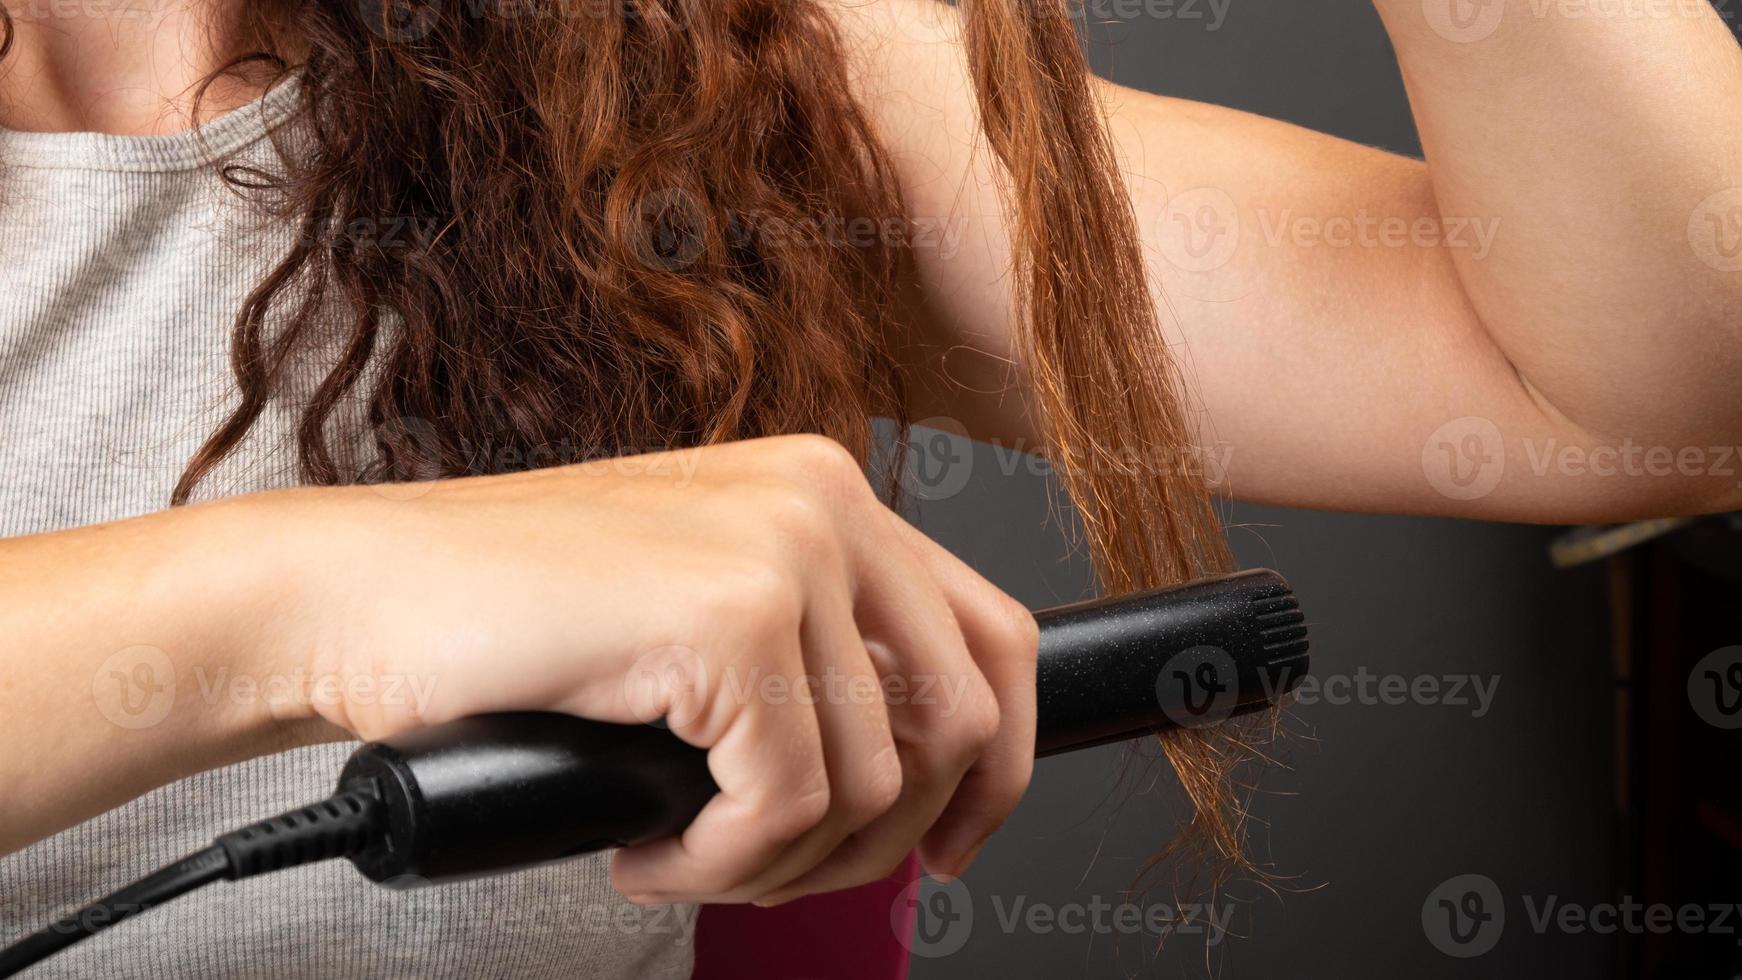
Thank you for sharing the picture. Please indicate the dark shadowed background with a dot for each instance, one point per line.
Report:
(1381, 804)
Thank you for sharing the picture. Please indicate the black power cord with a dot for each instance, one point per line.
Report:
(493, 793)
(340, 826)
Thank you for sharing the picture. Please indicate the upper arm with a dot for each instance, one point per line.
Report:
(1308, 290)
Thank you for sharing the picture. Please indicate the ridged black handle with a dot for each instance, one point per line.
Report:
(496, 792)
(1184, 657)
(493, 793)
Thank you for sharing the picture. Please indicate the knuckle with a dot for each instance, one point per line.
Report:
(1023, 634)
(762, 591)
(958, 730)
(790, 814)
(796, 516)
(981, 719)
(827, 465)
(1012, 783)
(882, 785)
(818, 454)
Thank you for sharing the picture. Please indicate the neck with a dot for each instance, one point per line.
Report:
(130, 68)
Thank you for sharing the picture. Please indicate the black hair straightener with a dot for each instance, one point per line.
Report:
(494, 793)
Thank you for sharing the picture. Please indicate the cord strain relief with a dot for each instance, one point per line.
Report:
(339, 826)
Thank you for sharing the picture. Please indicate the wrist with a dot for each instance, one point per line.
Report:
(235, 579)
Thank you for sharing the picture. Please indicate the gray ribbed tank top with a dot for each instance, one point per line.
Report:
(123, 262)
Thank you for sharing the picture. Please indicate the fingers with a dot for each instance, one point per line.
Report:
(774, 786)
(946, 725)
(1004, 640)
(866, 776)
(828, 788)
(766, 827)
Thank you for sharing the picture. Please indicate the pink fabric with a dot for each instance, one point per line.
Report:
(859, 934)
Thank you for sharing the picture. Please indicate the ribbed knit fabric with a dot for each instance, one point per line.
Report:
(123, 263)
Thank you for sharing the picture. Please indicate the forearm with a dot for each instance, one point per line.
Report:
(1598, 138)
(124, 645)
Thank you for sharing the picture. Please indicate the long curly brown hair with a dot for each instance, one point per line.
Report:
(608, 191)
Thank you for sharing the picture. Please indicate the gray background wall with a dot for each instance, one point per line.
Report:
(1381, 803)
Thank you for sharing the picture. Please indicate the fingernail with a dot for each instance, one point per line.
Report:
(973, 853)
(959, 866)
(773, 901)
(940, 876)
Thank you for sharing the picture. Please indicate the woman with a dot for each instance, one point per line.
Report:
(523, 242)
